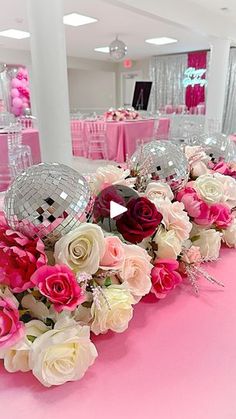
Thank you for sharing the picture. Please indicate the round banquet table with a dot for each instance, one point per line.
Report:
(177, 360)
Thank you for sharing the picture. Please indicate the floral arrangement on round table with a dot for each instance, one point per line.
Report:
(90, 281)
(121, 115)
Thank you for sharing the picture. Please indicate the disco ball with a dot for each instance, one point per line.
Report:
(217, 146)
(117, 50)
(163, 161)
(48, 200)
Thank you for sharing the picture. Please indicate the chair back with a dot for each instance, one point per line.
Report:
(97, 128)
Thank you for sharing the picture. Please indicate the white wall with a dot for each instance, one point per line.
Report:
(141, 66)
(91, 90)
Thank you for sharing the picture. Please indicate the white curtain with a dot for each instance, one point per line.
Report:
(229, 125)
(167, 74)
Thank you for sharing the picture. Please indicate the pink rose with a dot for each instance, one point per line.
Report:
(195, 206)
(221, 215)
(136, 270)
(19, 258)
(11, 328)
(114, 253)
(59, 285)
(165, 277)
(192, 255)
(224, 168)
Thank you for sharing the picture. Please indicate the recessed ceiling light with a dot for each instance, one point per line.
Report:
(15, 33)
(74, 19)
(161, 41)
(105, 50)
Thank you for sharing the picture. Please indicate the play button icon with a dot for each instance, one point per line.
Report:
(110, 204)
(116, 209)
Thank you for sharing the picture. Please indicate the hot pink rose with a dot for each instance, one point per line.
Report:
(19, 258)
(224, 168)
(59, 285)
(165, 277)
(195, 206)
(11, 328)
(221, 215)
(113, 257)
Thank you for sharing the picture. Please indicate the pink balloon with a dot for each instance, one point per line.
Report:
(25, 100)
(15, 92)
(17, 102)
(15, 82)
(24, 83)
(16, 111)
(25, 105)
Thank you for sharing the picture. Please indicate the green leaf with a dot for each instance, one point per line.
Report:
(107, 282)
(31, 338)
(195, 238)
(87, 304)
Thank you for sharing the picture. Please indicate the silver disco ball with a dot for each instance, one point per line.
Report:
(161, 160)
(117, 50)
(48, 201)
(217, 146)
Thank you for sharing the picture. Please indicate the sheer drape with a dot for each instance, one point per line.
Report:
(167, 73)
(229, 125)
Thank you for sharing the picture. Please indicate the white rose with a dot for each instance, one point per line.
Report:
(62, 354)
(36, 308)
(136, 270)
(109, 175)
(113, 310)
(209, 242)
(210, 188)
(169, 246)
(16, 358)
(229, 187)
(81, 249)
(157, 190)
(229, 235)
(175, 218)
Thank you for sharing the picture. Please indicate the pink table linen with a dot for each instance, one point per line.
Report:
(122, 138)
(177, 360)
(29, 137)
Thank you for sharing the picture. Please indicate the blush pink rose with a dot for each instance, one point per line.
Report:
(59, 285)
(165, 277)
(113, 257)
(19, 258)
(11, 328)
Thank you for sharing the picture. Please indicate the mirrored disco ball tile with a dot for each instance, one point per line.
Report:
(217, 146)
(161, 161)
(48, 200)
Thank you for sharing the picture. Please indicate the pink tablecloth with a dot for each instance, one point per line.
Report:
(30, 137)
(122, 137)
(177, 360)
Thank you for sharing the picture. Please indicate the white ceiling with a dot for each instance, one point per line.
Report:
(134, 21)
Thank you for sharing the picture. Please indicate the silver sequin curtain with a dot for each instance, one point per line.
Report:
(229, 124)
(167, 73)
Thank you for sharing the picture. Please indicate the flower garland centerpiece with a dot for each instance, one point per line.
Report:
(121, 114)
(54, 298)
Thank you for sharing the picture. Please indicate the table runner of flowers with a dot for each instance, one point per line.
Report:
(52, 302)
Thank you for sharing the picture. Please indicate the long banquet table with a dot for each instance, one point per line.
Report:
(177, 360)
(122, 136)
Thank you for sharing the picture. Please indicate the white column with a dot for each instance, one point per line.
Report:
(49, 69)
(217, 78)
